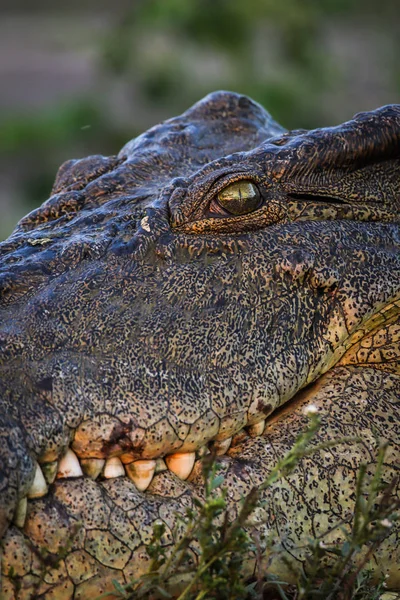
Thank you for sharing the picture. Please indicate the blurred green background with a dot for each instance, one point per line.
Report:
(83, 77)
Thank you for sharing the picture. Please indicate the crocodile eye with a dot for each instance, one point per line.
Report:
(239, 198)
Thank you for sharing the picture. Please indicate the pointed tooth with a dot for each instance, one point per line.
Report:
(92, 467)
(39, 485)
(160, 465)
(141, 473)
(69, 466)
(222, 446)
(256, 429)
(20, 513)
(50, 471)
(181, 463)
(113, 468)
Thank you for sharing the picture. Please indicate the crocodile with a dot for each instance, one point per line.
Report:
(204, 289)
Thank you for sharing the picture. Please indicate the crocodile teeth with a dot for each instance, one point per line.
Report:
(113, 468)
(221, 446)
(39, 485)
(92, 467)
(141, 473)
(256, 429)
(160, 465)
(181, 463)
(69, 466)
(50, 471)
(20, 513)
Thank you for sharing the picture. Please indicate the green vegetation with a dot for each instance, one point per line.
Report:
(333, 571)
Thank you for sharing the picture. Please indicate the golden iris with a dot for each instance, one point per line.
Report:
(240, 198)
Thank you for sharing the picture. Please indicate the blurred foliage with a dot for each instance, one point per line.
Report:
(228, 27)
(232, 28)
(167, 54)
(50, 127)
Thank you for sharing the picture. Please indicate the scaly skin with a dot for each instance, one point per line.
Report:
(139, 319)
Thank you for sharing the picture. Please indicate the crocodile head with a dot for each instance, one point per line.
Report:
(197, 290)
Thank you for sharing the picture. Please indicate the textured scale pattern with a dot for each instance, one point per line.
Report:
(138, 322)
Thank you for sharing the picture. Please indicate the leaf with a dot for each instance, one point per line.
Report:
(120, 589)
(345, 549)
(197, 502)
(163, 592)
(216, 482)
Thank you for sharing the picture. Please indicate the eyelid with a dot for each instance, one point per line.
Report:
(227, 179)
